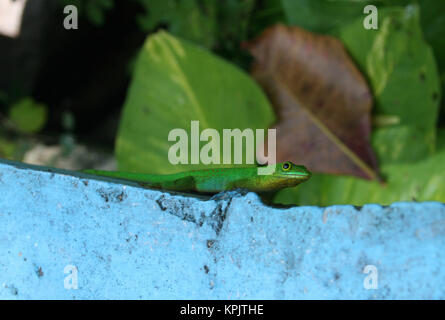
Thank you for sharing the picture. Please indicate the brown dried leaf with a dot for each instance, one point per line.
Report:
(322, 100)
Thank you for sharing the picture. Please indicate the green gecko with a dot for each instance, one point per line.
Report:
(286, 175)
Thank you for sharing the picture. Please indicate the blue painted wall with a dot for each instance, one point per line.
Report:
(112, 241)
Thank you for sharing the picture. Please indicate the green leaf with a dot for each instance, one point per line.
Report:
(175, 82)
(420, 181)
(28, 115)
(268, 13)
(433, 23)
(7, 149)
(3, 97)
(402, 72)
(96, 10)
(326, 16)
(233, 20)
(323, 15)
(190, 19)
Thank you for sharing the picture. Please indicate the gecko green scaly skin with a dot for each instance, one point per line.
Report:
(217, 180)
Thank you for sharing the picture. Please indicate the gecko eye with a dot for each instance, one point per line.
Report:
(286, 166)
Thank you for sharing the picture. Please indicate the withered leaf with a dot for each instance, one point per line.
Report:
(322, 100)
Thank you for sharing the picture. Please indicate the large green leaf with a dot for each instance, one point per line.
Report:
(175, 82)
(420, 181)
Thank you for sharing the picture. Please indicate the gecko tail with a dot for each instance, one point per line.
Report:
(120, 175)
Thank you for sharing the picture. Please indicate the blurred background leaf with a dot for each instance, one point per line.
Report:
(94, 10)
(323, 16)
(433, 23)
(28, 116)
(7, 149)
(190, 19)
(175, 82)
(3, 97)
(217, 25)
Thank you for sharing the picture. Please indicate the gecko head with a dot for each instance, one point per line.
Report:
(286, 175)
(292, 171)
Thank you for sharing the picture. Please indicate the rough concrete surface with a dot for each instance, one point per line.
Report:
(59, 231)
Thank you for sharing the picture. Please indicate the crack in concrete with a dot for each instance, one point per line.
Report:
(185, 209)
